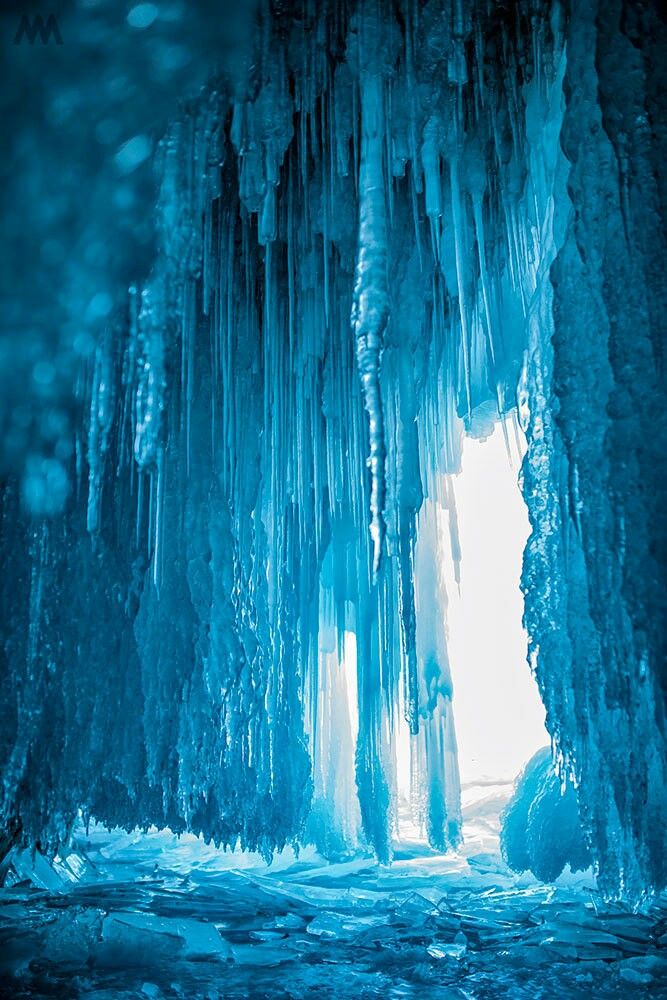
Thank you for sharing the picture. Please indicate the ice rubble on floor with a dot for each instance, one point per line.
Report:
(156, 915)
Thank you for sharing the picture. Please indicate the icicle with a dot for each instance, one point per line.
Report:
(458, 209)
(101, 420)
(371, 300)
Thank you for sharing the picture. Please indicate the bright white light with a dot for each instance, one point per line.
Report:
(350, 670)
(497, 709)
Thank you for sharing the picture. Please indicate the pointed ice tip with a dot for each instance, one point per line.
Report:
(377, 535)
(377, 561)
(411, 716)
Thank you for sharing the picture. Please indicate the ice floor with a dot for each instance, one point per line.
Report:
(155, 916)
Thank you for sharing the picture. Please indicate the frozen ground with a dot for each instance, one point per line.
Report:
(155, 916)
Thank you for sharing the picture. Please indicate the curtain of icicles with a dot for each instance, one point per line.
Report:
(362, 248)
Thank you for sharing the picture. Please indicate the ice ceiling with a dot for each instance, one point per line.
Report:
(394, 224)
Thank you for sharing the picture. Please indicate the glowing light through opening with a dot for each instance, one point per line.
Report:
(498, 712)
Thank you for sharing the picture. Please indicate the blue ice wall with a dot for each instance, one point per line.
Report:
(369, 227)
(594, 477)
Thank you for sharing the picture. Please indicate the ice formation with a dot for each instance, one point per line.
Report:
(365, 240)
(541, 824)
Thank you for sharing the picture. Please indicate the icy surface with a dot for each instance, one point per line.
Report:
(153, 915)
(594, 478)
(223, 492)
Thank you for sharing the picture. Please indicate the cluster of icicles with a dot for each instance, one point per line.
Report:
(349, 243)
(347, 258)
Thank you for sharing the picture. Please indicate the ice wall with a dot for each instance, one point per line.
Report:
(354, 238)
(594, 570)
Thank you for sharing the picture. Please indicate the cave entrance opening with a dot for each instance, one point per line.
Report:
(498, 713)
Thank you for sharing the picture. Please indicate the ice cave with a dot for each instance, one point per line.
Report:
(333, 495)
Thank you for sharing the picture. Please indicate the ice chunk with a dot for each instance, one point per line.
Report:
(455, 949)
(541, 826)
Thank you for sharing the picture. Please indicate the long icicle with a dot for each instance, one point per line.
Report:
(370, 312)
